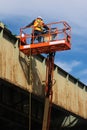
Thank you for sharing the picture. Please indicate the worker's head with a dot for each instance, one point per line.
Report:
(39, 17)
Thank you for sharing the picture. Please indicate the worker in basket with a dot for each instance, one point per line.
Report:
(39, 28)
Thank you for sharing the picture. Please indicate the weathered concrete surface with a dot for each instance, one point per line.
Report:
(29, 74)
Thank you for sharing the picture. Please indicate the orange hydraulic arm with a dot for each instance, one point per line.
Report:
(49, 73)
(49, 93)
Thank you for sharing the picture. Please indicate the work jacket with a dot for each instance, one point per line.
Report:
(38, 25)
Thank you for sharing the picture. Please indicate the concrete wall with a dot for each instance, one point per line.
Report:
(30, 73)
(16, 67)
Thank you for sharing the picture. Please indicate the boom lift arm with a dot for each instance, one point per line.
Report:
(49, 92)
(57, 40)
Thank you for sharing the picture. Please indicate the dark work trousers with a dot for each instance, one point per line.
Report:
(36, 33)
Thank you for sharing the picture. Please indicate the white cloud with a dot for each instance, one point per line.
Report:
(72, 11)
(68, 66)
(82, 72)
(82, 75)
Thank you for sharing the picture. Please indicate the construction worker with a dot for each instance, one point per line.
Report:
(39, 28)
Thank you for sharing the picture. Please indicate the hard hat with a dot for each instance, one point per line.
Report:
(39, 17)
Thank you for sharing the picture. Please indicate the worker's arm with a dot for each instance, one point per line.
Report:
(46, 27)
(29, 25)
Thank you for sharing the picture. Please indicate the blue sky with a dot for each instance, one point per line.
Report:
(18, 13)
